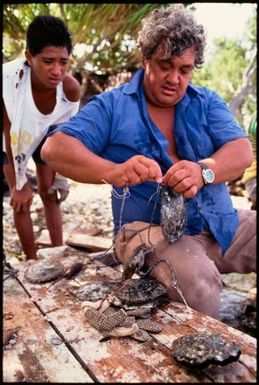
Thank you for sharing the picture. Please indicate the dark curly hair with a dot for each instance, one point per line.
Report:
(174, 29)
(45, 31)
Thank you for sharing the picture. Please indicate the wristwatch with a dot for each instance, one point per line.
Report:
(207, 173)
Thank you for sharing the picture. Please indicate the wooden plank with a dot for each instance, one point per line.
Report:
(91, 230)
(44, 239)
(109, 361)
(92, 243)
(38, 353)
(120, 360)
(188, 321)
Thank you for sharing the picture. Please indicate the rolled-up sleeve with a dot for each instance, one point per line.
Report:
(91, 125)
(222, 125)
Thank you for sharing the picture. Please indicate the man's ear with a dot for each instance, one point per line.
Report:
(28, 56)
(143, 63)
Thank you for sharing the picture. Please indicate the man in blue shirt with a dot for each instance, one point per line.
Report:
(159, 128)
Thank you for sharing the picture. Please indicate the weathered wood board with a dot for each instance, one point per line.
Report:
(89, 242)
(119, 360)
(38, 354)
(76, 235)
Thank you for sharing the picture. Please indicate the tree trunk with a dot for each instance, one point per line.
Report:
(245, 87)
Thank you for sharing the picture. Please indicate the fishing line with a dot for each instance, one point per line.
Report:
(123, 196)
(173, 277)
(157, 193)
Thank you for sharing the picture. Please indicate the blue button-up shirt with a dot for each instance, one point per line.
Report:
(116, 125)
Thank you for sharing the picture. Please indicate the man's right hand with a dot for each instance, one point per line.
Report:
(136, 170)
(84, 166)
(21, 200)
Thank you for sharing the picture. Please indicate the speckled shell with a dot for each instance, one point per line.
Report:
(44, 271)
(135, 261)
(141, 335)
(202, 349)
(172, 215)
(140, 290)
(103, 322)
(149, 326)
(93, 291)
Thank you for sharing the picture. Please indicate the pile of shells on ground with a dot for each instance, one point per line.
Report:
(89, 207)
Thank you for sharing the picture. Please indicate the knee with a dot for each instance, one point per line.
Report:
(205, 290)
(201, 289)
(45, 196)
(21, 214)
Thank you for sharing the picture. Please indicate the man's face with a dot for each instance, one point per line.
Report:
(165, 81)
(49, 66)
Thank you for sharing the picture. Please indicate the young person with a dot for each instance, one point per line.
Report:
(157, 128)
(38, 95)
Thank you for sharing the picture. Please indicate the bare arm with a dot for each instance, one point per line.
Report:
(71, 158)
(20, 200)
(7, 139)
(228, 163)
(231, 160)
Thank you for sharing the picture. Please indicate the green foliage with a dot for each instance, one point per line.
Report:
(107, 30)
(225, 69)
(16, 19)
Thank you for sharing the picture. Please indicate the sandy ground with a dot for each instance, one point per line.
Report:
(85, 192)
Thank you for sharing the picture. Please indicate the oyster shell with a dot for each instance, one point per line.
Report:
(172, 214)
(140, 290)
(94, 291)
(202, 349)
(44, 271)
(135, 261)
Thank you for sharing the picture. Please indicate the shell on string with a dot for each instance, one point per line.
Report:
(135, 262)
(172, 214)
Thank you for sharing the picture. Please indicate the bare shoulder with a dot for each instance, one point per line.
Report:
(71, 88)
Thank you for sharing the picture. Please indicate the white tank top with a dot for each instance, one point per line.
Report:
(28, 125)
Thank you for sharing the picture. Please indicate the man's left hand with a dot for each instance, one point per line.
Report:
(184, 177)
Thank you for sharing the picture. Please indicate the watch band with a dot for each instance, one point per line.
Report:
(203, 165)
(207, 173)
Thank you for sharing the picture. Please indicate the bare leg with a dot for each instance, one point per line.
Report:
(23, 224)
(22, 221)
(51, 208)
(241, 255)
(196, 275)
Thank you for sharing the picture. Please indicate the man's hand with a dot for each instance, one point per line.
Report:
(21, 200)
(136, 170)
(184, 177)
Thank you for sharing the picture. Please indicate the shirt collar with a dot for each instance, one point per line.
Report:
(133, 86)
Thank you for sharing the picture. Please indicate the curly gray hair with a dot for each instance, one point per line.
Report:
(174, 29)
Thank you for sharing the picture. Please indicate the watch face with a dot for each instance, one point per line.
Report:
(208, 175)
